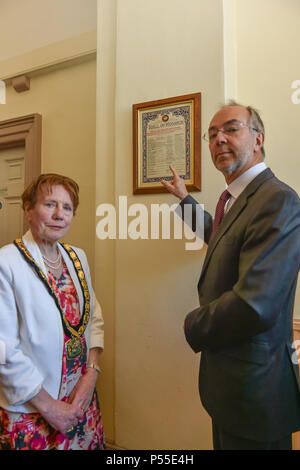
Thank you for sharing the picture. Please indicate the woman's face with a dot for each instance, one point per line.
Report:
(51, 216)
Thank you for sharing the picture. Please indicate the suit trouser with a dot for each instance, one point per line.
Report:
(224, 441)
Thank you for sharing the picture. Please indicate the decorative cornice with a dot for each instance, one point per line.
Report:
(51, 57)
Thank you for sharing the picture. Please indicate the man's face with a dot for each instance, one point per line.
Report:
(234, 153)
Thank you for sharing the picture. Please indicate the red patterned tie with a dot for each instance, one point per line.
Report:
(220, 211)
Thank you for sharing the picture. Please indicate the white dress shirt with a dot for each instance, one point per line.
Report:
(239, 184)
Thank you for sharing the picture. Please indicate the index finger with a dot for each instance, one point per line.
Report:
(175, 174)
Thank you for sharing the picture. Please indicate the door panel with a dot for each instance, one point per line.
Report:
(11, 187)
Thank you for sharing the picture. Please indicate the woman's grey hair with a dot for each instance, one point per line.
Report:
(255, 119)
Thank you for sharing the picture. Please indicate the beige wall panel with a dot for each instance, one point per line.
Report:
(105, 266)
(267, 65)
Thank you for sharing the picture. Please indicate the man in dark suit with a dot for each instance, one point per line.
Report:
(248, 378)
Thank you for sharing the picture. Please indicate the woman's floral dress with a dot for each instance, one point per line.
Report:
(30, 431)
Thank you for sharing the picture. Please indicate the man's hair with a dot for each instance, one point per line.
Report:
(255, 119)
(48, 180)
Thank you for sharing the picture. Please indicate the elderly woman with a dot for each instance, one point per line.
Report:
(51, 330)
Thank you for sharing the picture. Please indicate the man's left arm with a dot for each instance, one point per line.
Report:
(268, 267)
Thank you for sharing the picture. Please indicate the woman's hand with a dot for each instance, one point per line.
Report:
(62, 416)
(176, 186)
(82, 394)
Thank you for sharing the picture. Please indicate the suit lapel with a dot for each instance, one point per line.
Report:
(233, 214)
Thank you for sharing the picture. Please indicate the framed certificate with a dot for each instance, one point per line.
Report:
(167, 132)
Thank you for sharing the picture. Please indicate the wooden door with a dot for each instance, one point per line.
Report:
(12, 168)
(20, 162)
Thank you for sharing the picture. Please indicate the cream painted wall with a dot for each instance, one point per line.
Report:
(27, 25)
(66, 100)
(267, 64)
(162, 50)
(105, 266)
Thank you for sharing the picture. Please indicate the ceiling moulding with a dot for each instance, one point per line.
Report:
(54, 56)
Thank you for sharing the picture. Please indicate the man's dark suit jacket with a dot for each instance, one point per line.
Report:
(248, 380)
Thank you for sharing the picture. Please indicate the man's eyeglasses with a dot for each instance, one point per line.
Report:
(229, 130)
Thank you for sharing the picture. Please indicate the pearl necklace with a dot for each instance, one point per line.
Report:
(56, 264)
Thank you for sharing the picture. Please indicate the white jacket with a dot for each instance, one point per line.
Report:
(31, 332)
